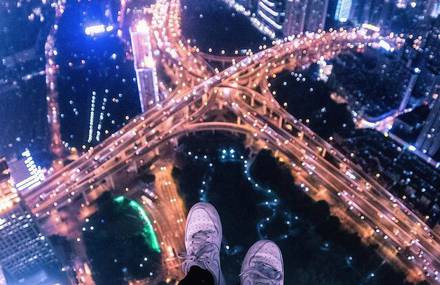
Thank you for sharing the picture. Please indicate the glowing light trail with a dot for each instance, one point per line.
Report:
(148, 227)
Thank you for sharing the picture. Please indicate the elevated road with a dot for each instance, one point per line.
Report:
(197, 92)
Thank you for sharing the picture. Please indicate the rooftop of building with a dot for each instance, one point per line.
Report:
(8, 194)
(417, 115)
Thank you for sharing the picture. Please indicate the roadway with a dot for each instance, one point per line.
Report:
(197, 91)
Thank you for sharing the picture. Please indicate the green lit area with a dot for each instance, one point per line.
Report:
(119, 199)
(119, 238)
(148, 230)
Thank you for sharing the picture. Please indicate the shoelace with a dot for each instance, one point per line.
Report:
(262, 273)
(203, 250)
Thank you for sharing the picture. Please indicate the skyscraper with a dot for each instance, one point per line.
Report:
(315, 15)
(146, 73)
(295, 17)
(24, 251)
(25, 173)
(377, 12)
(304, 16)
(434, 8)
(291, 17)
(343, 9)
(271, 13)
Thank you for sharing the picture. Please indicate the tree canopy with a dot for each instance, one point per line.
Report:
(120, 241)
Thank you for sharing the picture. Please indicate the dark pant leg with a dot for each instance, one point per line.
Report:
(197, 276)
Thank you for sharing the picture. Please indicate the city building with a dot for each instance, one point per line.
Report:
(423, 8)
(432, 48)
(408, 87)
(26, 257)
(96, 84)
(2, 277)
(426, 83)
(375, 84)
(429, 139)
(429, 65)
(377, 12)
(435, 9)
(315, 15)
(343, 9)
(408, 126)
(304, 16)
(22, 103)
(398, 16)
(272, 14)
(291, 17)
(250, 5)
(428, 88)
(22, 82)
(278, 18)
(146, 74)
(25, 174)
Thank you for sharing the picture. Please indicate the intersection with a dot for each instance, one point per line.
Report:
(238, 100)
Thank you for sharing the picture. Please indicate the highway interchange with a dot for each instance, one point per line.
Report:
(241, 92)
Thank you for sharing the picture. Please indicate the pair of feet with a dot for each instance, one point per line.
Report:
(263, 263)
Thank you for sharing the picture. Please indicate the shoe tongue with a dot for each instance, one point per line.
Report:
(204, 249)
(201, 243)
(203, 234)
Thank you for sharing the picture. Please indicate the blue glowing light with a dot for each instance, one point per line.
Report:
(343, 10)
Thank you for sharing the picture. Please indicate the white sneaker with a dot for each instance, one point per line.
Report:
(203, 237)
(263, 265)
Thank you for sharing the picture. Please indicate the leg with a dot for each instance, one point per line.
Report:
(203, 237)
(263, 264)
(197, 276)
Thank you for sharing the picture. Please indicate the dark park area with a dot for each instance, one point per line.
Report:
(309, 100)
(213, 24)
(119, 239)
(258, 195)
